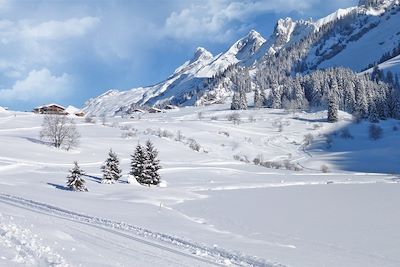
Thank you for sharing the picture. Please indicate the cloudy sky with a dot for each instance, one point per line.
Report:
(69, 51)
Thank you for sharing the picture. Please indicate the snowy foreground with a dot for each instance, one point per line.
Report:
(213, 208)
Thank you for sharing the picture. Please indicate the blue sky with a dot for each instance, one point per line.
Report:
(70, 51)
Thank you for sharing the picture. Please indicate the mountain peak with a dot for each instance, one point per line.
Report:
(201, 54)
(374, 3)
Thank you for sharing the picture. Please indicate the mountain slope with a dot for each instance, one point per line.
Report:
(356, 37)
(183, 85)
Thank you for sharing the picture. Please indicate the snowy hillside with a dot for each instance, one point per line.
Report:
(319, 195)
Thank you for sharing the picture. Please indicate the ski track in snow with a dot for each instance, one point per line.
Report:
(210, 255)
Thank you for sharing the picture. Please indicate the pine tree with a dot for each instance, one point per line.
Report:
(74, 180)
(138, 162)
(257, 98)
(145, 165)
(332, 103)
(242, 98)
(111, 169)
(235, 105)
(151, 175)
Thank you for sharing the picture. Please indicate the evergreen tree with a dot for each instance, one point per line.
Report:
(74, 180)
(242, 98)
(111, 169)
(151, 175)
(235, 105)
(373, 113)
(138, 162)
(257, 98)
(332, 103)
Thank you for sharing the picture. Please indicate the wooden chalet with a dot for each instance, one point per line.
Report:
(50, 109)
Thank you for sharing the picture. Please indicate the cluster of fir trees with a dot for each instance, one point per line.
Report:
(144, 168)
(365, 96)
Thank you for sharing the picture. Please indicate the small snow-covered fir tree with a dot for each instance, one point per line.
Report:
(145, 165)
(111, 169)
(74, 180)
(138, 161)
(152, 177)
(235, 105)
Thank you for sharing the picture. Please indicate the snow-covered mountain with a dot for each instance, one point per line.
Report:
(183, 85)
(356, 37)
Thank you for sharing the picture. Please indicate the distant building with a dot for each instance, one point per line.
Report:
(50, 109)
(170, 107)
(155, 110)
(138, 110)
(79, 113)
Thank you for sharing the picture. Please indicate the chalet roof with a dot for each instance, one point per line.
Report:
(49, 105)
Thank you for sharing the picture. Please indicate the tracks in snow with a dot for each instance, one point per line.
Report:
(210, 255)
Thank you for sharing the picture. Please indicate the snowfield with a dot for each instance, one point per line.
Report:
(215, 207)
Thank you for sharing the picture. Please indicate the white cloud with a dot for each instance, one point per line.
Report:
(39, 85)
(53, 29)
(213, 19)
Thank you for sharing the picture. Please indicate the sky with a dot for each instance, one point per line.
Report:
(70, 51)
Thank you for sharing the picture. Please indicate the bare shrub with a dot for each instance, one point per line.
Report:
(164, 133)
(200, 115)
(324, 168)
(179, 136)
(252, 118)
(125, 128)
(234, 117)
(375, 132)
(214, 118)
(90, 119)
(224, 133)
(258, 160)
(242, 158)
(128, 134)
(317, 126)
(194, 145)
(59, 131)
(308, 139)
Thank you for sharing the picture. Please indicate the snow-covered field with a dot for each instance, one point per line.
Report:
(213, 208)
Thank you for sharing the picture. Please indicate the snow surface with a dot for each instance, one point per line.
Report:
(211, 209)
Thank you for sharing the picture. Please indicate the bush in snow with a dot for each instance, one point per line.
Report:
(90, 119)
(375, 132)
(214, 118)
(234, 117)
(179, 136)
(59, 131)
(145, 164)
(111, 169)
(324, 168)
(395, 128)
(74, 180)
(252, 118)
(242, 158)
(194, 145)
(200, 115)
(308, 139)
